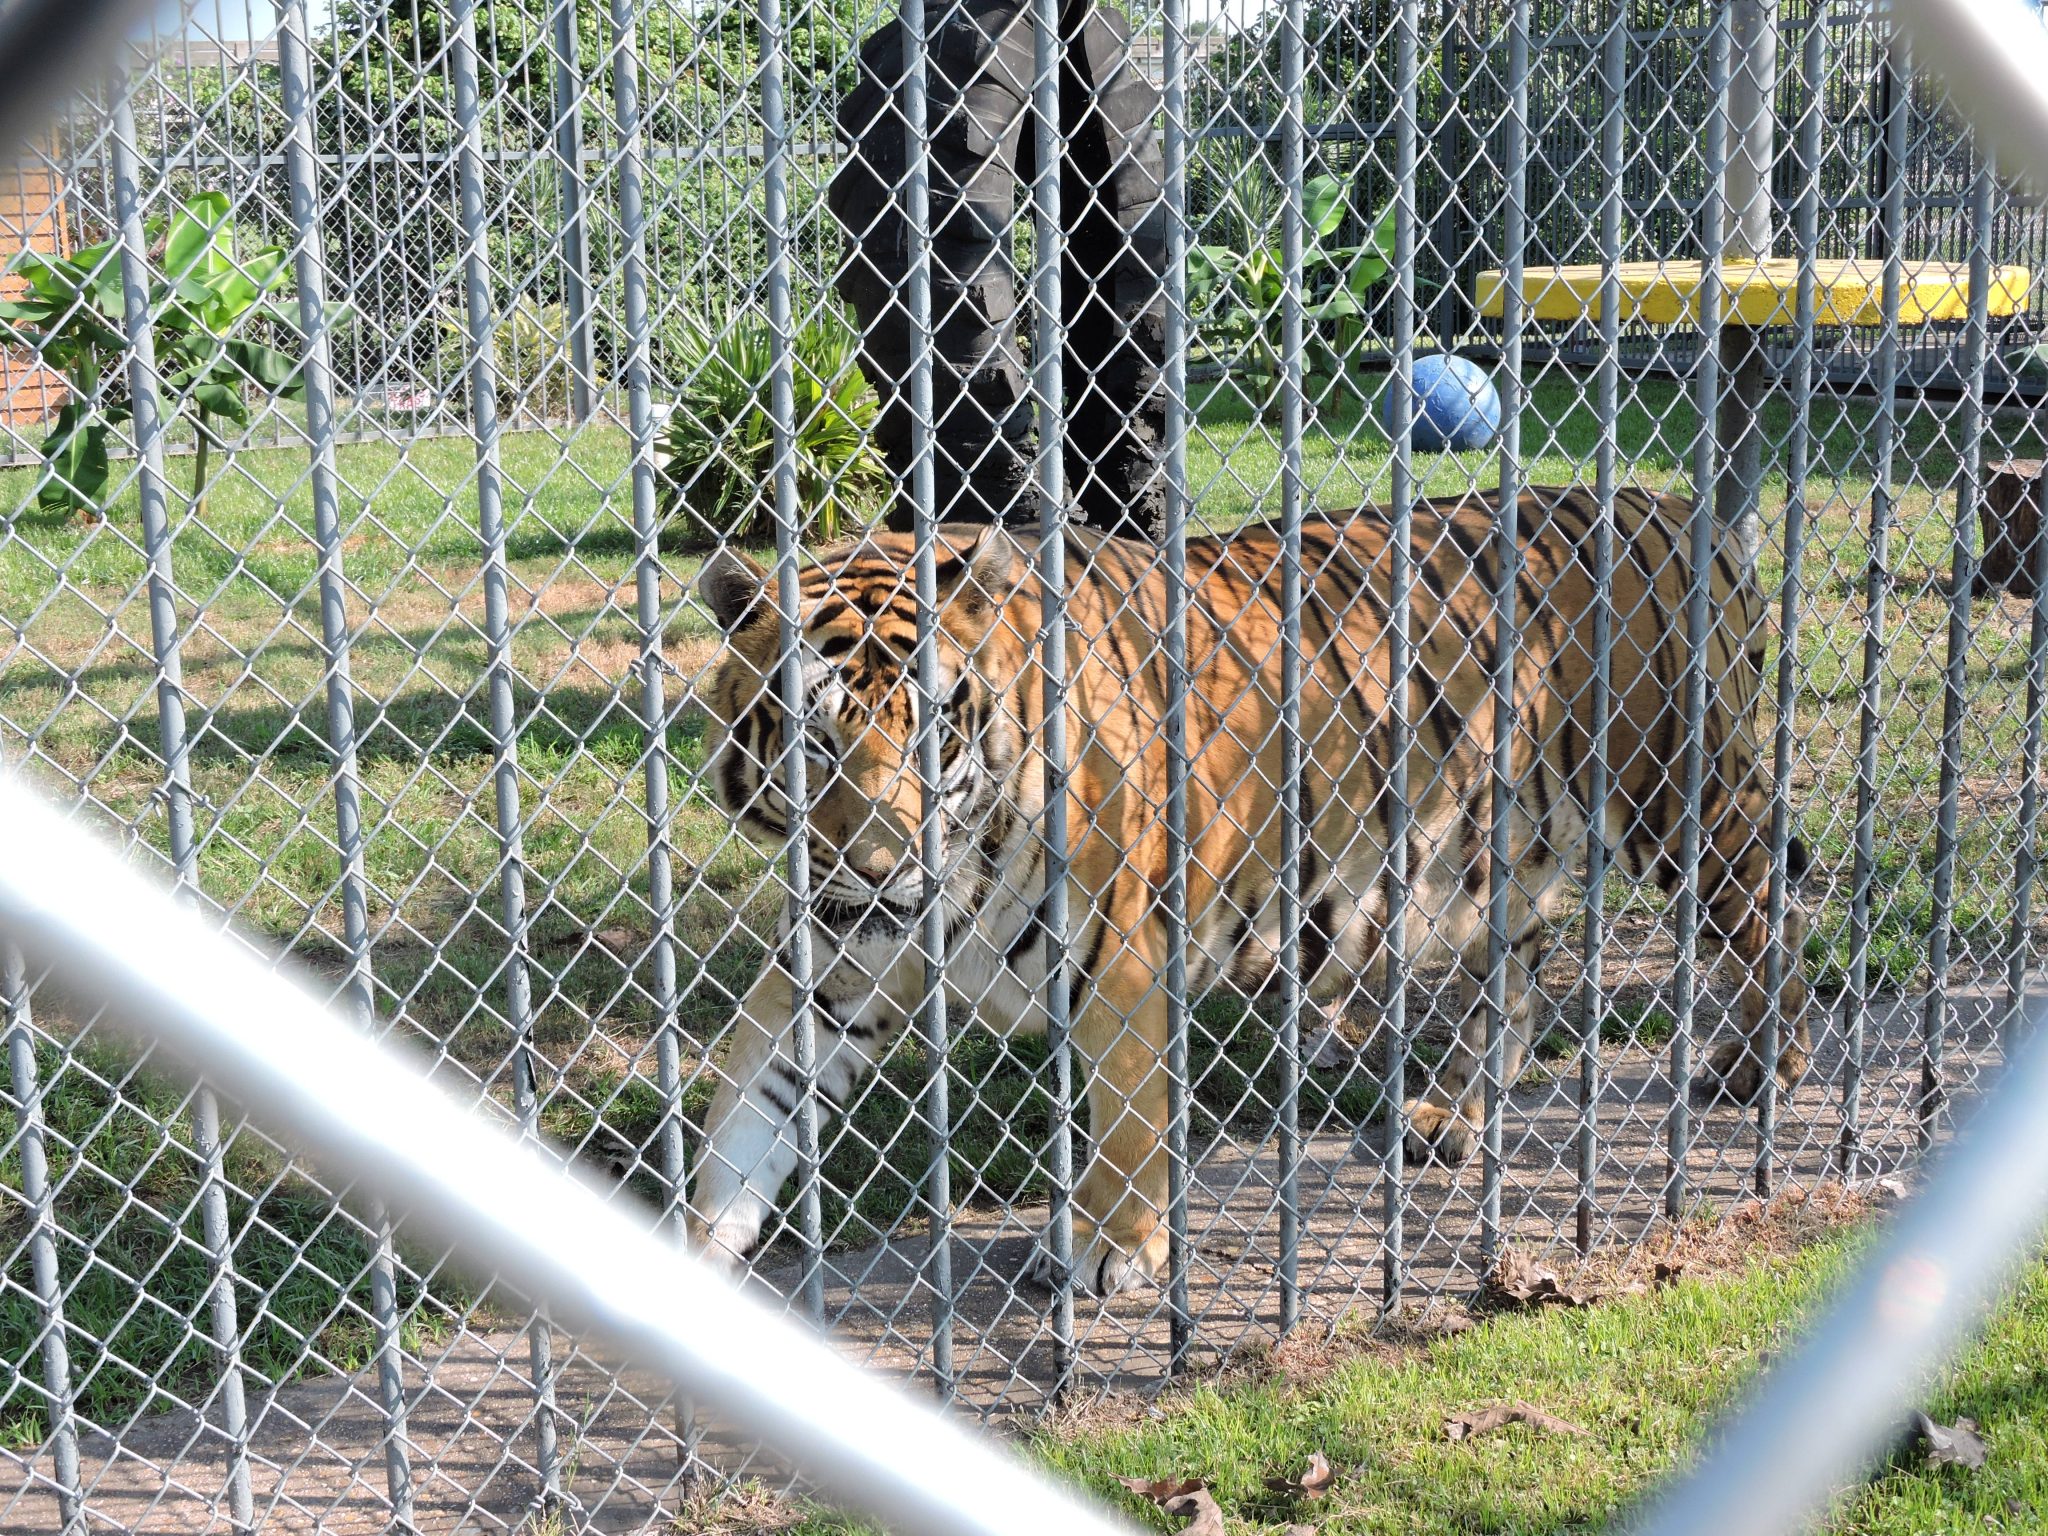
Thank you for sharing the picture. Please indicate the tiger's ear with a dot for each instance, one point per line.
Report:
(731, 584)
(997, 564)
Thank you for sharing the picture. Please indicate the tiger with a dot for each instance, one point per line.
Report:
(857, 614)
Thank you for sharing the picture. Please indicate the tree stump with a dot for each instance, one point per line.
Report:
(2010, 511)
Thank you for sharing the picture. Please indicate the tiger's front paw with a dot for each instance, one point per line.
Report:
(1438, 1133)
(725, 1243)
(1102, 1267)
(1734, 1073)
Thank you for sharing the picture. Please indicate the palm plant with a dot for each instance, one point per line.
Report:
(214, 293)
(1236, 283)
(720, 443)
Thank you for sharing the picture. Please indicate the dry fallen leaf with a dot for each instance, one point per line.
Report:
(1188, 1497)
(1199, 1510)
(1160, 1489)
(1313, 1483)
(1483, 1421)
(1947, 1445)
(1299, 1530)
(1327, 1050)
(1517, 1283)
(1666, 1274)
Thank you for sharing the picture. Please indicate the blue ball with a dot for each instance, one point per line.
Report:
(1455, 406)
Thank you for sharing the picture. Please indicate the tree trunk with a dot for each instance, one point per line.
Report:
(199, 465)
(2010, 512)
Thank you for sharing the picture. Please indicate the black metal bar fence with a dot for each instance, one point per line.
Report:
(1086, 685)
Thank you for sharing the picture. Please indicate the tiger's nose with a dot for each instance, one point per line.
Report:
(877, 865)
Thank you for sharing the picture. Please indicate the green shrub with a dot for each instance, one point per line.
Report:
(530, 355)
(719, 443)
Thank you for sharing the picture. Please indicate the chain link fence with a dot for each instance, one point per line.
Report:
(426, 422)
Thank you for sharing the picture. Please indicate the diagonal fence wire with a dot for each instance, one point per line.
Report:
(270, 1041)
(423, 686)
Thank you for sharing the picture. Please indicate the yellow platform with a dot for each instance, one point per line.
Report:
(1758, 292)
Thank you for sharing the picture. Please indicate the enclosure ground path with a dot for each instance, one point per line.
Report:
(318, 1445)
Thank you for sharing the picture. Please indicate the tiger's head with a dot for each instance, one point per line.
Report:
(859, 702)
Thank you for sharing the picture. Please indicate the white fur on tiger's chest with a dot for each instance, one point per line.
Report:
(994, 966)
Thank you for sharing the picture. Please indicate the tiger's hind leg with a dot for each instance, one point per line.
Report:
(1445, 1122)
(1735, 886)
(1735, 1070)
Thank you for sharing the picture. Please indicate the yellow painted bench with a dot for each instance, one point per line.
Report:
(1757, 292)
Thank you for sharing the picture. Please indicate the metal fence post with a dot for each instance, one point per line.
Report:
(310, 269)
(1400, 653)
(1955, 671)
(567, 70)
(1291, 787)
(480, 327)
(1174, 549)
(931, 832)
(1048, 387)
(166, 645)
(1593, 983)
(1876, 587)
(1702, 534)
(1507, 573)
(1798, 467)
(789, 606)
(61, 1434)
(651, 664)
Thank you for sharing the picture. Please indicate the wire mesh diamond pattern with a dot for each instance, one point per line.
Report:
(885, 626)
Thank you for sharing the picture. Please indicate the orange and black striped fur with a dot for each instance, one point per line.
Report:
(858, 618)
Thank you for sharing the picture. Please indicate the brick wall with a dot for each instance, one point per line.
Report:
(31, 217)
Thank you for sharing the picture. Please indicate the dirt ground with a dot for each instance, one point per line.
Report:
(317, 1448)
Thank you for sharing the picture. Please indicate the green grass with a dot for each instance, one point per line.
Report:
(1647, 1377)
(134, 1257)
(79, 685)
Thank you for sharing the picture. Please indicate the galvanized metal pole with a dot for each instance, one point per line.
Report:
(1799, 462)
(797, 955)
(1702, 534)
(1393, 999)
(480, 326)
(1820, 1417)
(166, 646)
(575, 244)
(1746, 190)
(1049, 388)
(1507, 543)
(1173, 899)
(931, 831)
(653, 666)
(1593, 983)
(1876, 588)
(60, 1404)
(1955, 671)
(1291, 788)
(310, 273)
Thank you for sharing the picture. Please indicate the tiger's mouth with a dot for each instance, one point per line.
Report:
(860, 910)
(869, 916)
